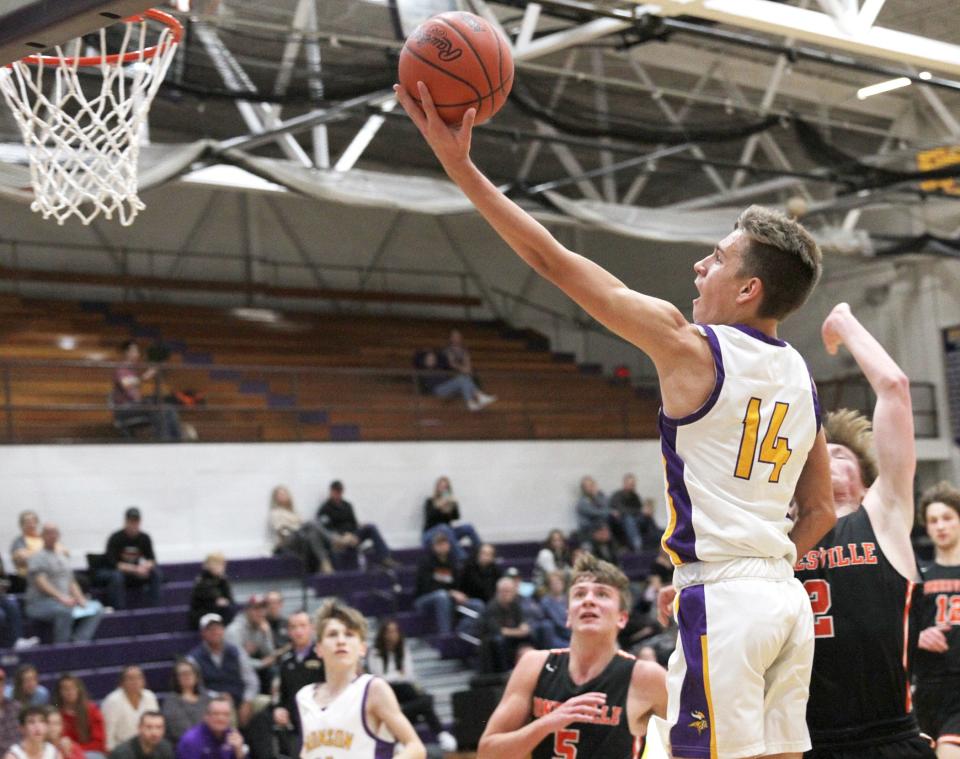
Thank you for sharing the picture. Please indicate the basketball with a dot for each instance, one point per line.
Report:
(464, 62)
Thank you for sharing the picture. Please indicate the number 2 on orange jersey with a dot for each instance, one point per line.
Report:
(820, 602)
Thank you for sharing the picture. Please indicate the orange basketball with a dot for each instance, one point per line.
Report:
(464, 62)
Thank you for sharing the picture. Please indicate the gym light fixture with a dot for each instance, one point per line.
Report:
(875, 89)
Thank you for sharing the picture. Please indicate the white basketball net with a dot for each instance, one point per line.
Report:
(83, 150)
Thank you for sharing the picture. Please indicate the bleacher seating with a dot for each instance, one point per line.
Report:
(300, 377)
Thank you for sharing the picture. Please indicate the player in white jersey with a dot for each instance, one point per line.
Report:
(351, 715)
(740, 439)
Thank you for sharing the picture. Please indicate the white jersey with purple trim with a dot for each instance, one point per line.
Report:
(339, 730)
(732, 466)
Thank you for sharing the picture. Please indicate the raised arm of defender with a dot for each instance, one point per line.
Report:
(653, 325)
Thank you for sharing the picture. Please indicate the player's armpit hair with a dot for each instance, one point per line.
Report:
(592, 569)
(783, 255)
(853, 430)
(336, 609)
(943, 492)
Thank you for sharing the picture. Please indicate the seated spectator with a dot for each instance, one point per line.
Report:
(627, 504)
(390, 660)
(225, 668)
(650, 531)
(600, 543)
(124, 706)
(342, 531)
(25, 545)
(148, 741)
(82, 720)
(9, 723)
(288, 533)
(593, 509)
(251, 633)
(53, 594)
(67, 748)
(213, 738)
(299, 667)
(555, 556)
(26, 689)
(128, 401)
(459, 360)
(556, 634)
(276, 619)
(504, 633)
(131, 564)
(11, 620)
(434, 379)
(440, 511)
(480, 574)
(437, 590)
(33, 730)
(185, 704)
(211, 592)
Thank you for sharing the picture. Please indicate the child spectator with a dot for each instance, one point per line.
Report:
(33, 736)
(211, 592)
(67, 748)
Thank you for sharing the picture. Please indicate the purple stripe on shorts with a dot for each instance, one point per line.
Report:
(682, 540)
(690, 737)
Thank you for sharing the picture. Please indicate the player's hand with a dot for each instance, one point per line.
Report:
(831, 329)
(235, 741)
(451, 144)
(583, 708)
(665, 604)
(932, 639)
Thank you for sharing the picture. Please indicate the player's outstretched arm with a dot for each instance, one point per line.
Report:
(892, 415)
(813, 495)
(653, 325)
(384, 706)
(648, 695)
(510, 734)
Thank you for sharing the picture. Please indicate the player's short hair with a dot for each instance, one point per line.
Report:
(592, 569)
(853, 430)
(32, 710)
(943, 492)
(783, 255)
(336, 609)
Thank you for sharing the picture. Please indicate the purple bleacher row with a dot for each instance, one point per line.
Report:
(153, 637)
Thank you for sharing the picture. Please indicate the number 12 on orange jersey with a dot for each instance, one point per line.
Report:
(774, 449)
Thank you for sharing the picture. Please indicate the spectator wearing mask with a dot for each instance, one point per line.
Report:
(441, 511)
(124, 706)
(187, 701)
(82, 720)
(211, 592)
(148, 742)
(131, 563)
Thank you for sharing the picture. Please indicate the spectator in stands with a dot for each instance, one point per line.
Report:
(225, 668)
(437, 590)
(11, 620)
(440, 511)
(25, 545)
(125, 705)
(650, 531)
(553, 557)
(211, 592)
(288, 533)
(26, 689)
(131, 562)
(148, 740)
(9, 724)
(504, 633)
(593, 508)
(82, 720)
(600, 543)
(480, 574)
(213, 738)
(554, 605)
(276, 620)
(433, 379)
(299, 667)
(187, 701)
(53, 594)
(627, 504)
(33, 732)
(339, 523)
(459, 360)
(67, 748)
(127, 396)
(251, 633)
(390, 660)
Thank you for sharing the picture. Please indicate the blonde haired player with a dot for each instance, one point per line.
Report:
(351, 715)
(740, 437)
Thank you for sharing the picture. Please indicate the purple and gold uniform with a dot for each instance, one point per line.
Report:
(339, 730)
